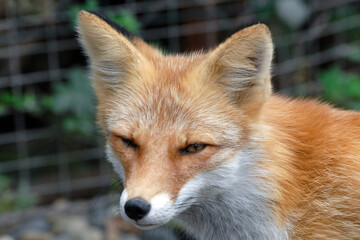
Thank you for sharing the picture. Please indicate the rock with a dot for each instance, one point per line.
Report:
(36, 236)
(6, 237)
(92, 234)
(61, 204)
(76, 227)
(37, 225)
(72, 225)
(61, 237)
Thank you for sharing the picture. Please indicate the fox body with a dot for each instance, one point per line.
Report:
(201, 138)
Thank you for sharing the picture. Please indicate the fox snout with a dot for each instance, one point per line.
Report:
(147, 214)
(137, 208)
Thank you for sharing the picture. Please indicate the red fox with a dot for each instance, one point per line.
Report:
(201, 139)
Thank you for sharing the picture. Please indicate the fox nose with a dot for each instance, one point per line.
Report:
(137, 208)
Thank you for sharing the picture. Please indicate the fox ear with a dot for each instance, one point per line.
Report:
(242, 66)
(111, 52)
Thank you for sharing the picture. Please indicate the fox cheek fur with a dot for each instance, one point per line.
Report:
(201, 138)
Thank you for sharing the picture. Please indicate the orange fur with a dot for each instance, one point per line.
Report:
(223, 98)
(315, 163)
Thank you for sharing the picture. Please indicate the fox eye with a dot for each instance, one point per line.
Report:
(193, 148)
(129, 143)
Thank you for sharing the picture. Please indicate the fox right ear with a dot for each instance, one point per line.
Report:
(111, 53)
(242, 67)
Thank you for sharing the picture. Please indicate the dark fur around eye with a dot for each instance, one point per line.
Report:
(129, 143)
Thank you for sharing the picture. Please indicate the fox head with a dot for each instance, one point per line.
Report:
(174, 124)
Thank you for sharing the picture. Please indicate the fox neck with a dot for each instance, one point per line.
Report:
(240, 209)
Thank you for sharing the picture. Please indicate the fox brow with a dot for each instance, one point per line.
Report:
(122, 30)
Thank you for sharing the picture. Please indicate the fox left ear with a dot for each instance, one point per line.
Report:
(110, 48)
(242, 67)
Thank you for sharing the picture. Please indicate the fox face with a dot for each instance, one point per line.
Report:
(176, 126)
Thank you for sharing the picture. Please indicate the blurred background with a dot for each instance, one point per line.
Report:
(52, 165)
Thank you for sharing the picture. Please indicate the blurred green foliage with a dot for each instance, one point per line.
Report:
(76, 8)
(74, 101)
(14, 200)
(25, 102)
(124, 18)
(341, 88)
(355, 55)
(127, 20)
(71, 104)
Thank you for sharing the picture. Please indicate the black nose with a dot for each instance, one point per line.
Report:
(137, 208)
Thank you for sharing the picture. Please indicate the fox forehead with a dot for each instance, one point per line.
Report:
(169, 97)
(161, 111)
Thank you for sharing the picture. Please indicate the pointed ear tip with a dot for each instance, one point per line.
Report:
(261, 31)
(85, 15)
(257, 30)
(82, 15)
(262, 28)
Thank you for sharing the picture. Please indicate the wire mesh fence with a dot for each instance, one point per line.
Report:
(39, 51)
